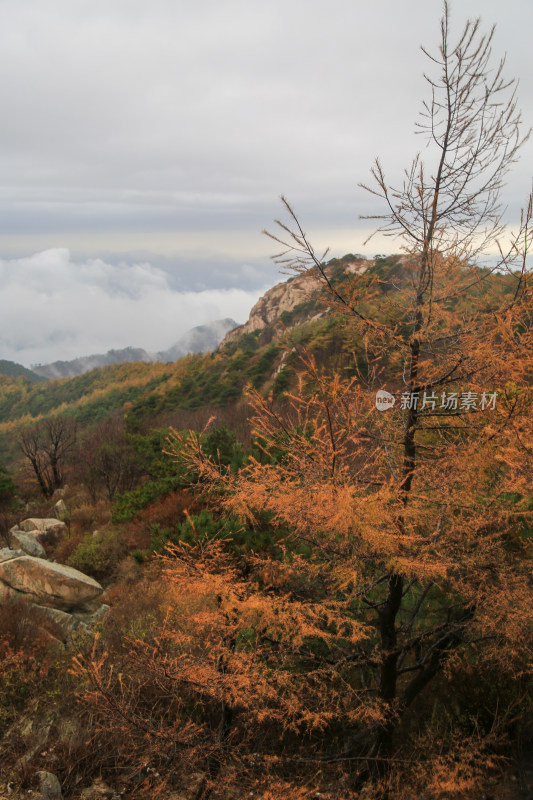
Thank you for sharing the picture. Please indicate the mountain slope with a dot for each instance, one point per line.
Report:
(291, 318)
(144, 390)
(296, 300)
(14, 370)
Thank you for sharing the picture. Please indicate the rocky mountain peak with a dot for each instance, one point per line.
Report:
(293, 293)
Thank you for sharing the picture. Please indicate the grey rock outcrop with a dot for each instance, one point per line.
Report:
(68, 625)
(45, 531)
(7, 593)
(60, 509)
(6, 554)
(288, 295)
(269, 308)
(46, 582)
(53, 593)
(28, 543)
(41, 525)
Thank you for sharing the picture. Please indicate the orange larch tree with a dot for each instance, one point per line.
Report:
(412, 483)
(403, 495)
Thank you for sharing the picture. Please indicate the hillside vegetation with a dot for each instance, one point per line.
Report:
(217, 543)
(13, 370)
(305, 557)
(266, 358)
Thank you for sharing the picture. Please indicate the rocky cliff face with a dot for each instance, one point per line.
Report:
(287, 296)
(269, 308)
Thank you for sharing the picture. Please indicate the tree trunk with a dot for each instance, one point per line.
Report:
(387, 688)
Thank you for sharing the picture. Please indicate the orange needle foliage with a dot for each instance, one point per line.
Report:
(406, 559)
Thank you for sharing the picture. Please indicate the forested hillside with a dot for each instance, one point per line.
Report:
(260, 547)
(264, 358)
(263, 354)
(13, 370)
(298, 566)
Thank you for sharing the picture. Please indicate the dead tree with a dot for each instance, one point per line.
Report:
(47, 445)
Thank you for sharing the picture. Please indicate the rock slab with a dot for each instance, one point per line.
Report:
(6, 554)
(46, 582)
(28, 543)
(68, 625)
(36, 524)
(61, 509)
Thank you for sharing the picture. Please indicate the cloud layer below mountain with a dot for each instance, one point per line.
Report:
(55, 307)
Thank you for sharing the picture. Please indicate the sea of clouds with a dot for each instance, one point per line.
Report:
(55, 307)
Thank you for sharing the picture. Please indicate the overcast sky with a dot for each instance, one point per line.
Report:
(144, 144)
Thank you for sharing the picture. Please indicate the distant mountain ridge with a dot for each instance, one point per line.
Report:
(200, 339)
(78, 366)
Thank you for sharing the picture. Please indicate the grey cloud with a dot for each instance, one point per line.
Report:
(202, 98)
(54, 307)
(163, 133)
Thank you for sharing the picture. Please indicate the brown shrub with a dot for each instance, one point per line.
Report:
(167, 512)
(99, 553)
(87, 516)
(66, 546)
(24, 627)
(7, 520)
(128, 572)
(138, 609)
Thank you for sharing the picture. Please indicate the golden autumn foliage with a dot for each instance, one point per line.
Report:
(402, 578)
(316, 659)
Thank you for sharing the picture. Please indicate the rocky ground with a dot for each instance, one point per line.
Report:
(62, 594)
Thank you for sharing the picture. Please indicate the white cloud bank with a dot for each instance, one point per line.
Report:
(53, 307)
